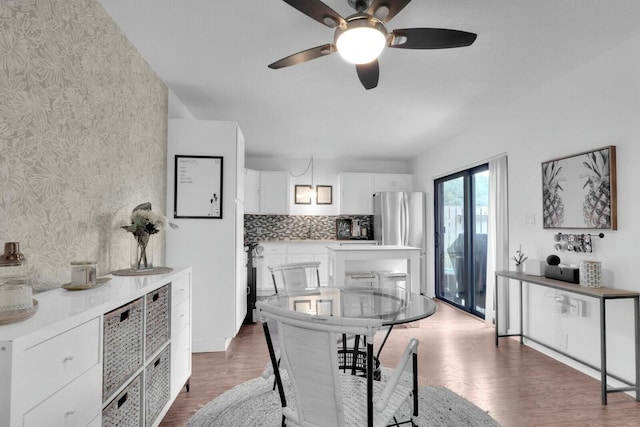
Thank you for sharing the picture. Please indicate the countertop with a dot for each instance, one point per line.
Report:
(59, 308)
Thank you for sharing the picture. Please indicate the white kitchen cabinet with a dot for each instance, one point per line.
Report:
(213, 247)
(392, 182)
(274, 192)
(266, 192)
(251, 191)
(52, 364)
(356, 193)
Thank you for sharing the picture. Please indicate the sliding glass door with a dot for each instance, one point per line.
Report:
(461, 208)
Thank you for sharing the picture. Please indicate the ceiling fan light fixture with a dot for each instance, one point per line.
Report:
(361, 40)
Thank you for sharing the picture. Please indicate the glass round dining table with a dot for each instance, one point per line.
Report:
(393, 306)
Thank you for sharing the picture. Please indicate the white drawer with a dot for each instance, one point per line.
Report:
(180, 290)
(77, 404)
(60, 360)
(274, 249)
(179, 317)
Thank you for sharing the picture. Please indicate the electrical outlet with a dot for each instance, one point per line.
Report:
(561, 304)
(576, 307)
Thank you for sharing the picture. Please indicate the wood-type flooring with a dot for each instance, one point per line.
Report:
(516, 385)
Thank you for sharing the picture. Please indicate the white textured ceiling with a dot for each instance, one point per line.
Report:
(214, 54)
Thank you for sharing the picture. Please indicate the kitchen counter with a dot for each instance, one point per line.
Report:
(274, 252)
(383, 258)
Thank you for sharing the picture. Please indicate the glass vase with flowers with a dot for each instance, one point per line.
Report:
(144, 224)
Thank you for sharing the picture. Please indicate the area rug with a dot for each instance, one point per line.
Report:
(254, 403)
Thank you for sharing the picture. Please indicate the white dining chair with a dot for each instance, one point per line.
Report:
(295, 276)
(324, 396)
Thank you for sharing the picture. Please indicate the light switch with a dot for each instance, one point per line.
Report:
(530, 219)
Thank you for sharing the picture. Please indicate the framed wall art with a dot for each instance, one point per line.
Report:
(303, 194)
(579, 191)
(198, 187)
(324, 195)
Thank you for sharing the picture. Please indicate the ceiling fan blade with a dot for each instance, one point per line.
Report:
(385, 10)
(369, 74)
(317, 10)
(304, 56)
(430, 38)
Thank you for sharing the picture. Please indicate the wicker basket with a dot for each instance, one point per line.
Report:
(157, 382)
(122, 349)
(126, 408)
(157, 323)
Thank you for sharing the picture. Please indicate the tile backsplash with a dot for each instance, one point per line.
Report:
(297, 227)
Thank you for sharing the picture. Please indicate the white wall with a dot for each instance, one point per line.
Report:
(595, 105)
(325, 172)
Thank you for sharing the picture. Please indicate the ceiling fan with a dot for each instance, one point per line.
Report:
(361, 37)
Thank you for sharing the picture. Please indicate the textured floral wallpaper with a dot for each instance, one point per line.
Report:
(83, 131)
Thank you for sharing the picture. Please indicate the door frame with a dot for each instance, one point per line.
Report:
(468, 274)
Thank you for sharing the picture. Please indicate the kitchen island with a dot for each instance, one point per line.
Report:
(345, 260)
(274, 252)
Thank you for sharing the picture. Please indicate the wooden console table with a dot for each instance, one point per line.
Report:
(603, 294)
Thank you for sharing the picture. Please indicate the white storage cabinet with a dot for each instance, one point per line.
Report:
(58, 367)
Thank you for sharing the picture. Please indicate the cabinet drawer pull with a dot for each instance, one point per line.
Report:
(69, 412)
(155, 297)
(156, 363)
(67, 358)
(124, 315)
(122, 400)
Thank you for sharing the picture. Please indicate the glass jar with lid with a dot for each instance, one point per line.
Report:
(15, 294)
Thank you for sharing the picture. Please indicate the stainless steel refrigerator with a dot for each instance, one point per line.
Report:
(399, 219)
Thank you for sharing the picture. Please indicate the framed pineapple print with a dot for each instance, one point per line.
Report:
(579, 191)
